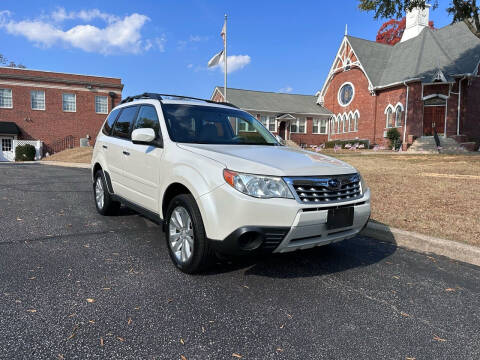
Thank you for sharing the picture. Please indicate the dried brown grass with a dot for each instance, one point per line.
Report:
(76, 155)
(437, 195)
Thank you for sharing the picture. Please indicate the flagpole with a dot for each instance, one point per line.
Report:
(225, 60)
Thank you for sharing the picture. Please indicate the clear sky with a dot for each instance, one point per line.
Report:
(164, 46)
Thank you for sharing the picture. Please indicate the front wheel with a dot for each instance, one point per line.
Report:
(103, 200)
(185, 234)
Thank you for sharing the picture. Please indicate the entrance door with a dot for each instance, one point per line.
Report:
(6, 149)
(433, 118)
(281, 130)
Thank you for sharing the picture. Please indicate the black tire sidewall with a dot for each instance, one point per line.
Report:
(109, 206)
(199, 254)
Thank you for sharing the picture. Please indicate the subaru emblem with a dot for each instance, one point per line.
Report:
(333, 183)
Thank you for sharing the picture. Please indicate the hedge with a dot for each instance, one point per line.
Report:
(25, 153)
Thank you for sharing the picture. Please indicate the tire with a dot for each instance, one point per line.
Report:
(190, 254)
(103, 200)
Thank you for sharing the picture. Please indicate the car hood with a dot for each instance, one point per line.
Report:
(271, 160)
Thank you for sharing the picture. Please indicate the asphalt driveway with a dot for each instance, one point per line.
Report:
(74, 284)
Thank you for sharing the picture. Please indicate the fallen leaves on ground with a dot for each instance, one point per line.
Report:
(404, 314)
(101, 341)
(436, 338)
(182, 341)
(449, 289)
(120, 339)
(71, 336)
(32, 310)
(183, 357)
(90, 300)
(238, 356)
(129, 321)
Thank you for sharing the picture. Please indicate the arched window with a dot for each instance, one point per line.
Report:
(389, 113)
(350, 123)
(355, 126)
(344, 123)
(398, 116)
(339, 121)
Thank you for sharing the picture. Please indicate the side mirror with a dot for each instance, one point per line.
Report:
(144, 136)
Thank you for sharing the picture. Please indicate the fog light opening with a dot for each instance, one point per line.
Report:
(250, 240)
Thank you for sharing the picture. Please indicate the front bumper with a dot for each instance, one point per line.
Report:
(285, 224)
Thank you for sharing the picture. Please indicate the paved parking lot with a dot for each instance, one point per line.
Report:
(74, 284)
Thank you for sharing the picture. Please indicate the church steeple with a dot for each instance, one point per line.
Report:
(417, 20)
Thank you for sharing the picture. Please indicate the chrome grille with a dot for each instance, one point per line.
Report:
(321, 190)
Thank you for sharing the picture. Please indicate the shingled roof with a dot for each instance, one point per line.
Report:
(280, 103)
(453, 49)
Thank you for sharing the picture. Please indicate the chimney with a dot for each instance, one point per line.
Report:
(417, 20)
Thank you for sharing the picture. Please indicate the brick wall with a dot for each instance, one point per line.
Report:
(470, 122)
(53, 124)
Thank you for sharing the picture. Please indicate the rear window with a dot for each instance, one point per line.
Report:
(124, 122)
(107, 128)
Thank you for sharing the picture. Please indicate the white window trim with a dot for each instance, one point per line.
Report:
(394, 109)
(44, 100)
(395, 118)
(297, 123)
(274, 123)
(75, 97)
(95, 104)
(339, 90)
(356, 115)
(11, 97)
(350, 121)
(319, 120)
(268, 122)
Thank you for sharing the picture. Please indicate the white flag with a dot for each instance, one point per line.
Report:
(215, 60)
(223, 34)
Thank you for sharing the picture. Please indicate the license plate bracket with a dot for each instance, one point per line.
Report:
(340, 218)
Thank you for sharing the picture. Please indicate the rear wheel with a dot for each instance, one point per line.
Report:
(185, 234)
(103, 200)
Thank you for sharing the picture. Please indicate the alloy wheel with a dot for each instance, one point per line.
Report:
(181, 234)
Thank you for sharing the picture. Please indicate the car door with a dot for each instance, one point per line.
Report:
(142, 164)
(116, 152)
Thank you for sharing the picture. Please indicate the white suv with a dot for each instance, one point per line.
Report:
(220, 182)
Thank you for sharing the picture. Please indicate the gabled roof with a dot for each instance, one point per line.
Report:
(9, 128)
(279, 103)
(453, 49)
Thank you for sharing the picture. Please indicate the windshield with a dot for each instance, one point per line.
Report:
(212, 125)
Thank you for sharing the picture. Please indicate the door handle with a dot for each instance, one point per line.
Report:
(126, 153)
(105, 146)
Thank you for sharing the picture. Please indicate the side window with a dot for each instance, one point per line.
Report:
(124, 122)
(147, 118)
(107, 128)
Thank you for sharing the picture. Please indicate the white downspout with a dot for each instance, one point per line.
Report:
(406, 115)
(459, 102)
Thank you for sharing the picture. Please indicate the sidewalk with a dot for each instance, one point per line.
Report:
(424, 243)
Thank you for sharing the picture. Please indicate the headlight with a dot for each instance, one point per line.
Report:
(257, 185)
(363, 184)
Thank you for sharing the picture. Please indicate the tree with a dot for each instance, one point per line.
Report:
(391, 31)
(461, 10)
(5, 61)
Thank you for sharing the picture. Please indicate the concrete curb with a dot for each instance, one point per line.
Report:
(423, 243)
(66, 164)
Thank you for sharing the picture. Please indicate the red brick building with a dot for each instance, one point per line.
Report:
(55, 108)
(426, 83)
(294, 117)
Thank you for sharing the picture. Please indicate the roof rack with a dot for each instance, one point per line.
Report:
(161, 97)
